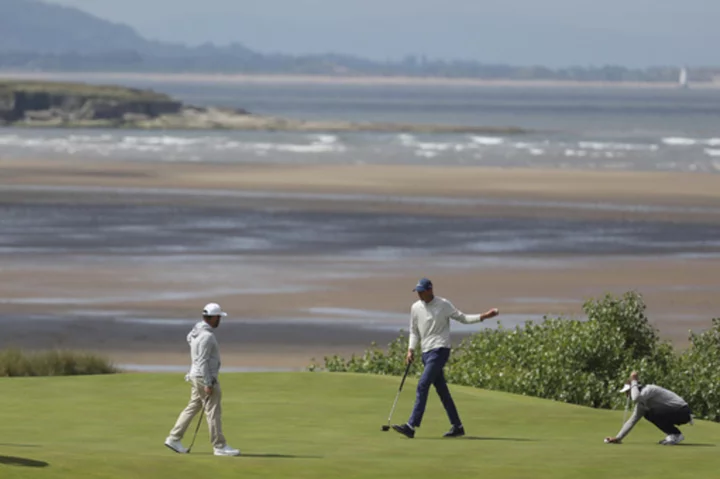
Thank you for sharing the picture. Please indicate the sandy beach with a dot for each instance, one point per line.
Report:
(636, 193)
(115, 294)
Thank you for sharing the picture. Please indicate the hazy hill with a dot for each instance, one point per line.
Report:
(29, 25)
(35, 35)
(33, 26)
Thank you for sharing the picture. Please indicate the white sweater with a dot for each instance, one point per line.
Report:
(205, 353)
(650, 398)
(430, 323)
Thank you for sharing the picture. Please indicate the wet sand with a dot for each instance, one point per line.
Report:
(289, 307)
(660, 188)
(676, 197)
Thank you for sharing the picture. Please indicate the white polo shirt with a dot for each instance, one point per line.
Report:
(430, 323)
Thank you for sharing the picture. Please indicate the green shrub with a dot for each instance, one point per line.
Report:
(373, 361)
(578, 362)
(697, 378)
(14, 362)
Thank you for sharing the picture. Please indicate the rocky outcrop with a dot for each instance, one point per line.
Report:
(67, 103)
(38, 106)
(7, 108)
(226, 119)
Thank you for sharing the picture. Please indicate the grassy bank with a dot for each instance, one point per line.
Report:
(321, 425)
(14, 363)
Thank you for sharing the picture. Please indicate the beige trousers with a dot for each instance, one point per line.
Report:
(213, 413)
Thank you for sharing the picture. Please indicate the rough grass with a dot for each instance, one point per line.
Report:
(317, 425)
(80, 89)
(14, 362)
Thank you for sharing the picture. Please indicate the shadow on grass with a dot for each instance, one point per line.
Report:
(281, 456)
(21, 461)
(697, 445)
(17, 445)
(478, 438)
(269, 456)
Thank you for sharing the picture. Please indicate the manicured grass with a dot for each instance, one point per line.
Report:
(319, 425)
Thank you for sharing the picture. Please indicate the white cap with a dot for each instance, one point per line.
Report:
(625, 388)
(213, 309)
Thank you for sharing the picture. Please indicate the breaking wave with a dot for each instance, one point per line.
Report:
(681, 141)
(488, 140)
(167, 144)
(671, 153)
(600, 145)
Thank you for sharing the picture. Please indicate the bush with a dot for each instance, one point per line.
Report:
(578, 362)
(52, 363)
(373, 361)
(698, 376)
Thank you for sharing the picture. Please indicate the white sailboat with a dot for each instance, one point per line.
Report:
(683, 80)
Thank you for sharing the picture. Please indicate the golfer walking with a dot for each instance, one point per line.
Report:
(660, 406)
(430, 326)
(205, 391)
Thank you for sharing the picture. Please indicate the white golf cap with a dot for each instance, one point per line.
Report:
(625, 388)
(213, 309)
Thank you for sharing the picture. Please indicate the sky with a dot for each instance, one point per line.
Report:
(554, 33)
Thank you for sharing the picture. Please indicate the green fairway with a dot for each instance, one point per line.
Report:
(322, 425)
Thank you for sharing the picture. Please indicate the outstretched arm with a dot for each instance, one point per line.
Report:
(638, 413)
(461, 317)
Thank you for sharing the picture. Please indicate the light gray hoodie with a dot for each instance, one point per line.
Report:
(650, 398)
(205, 353)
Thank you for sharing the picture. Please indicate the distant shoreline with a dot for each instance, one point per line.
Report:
(61, 104)
(281, 79)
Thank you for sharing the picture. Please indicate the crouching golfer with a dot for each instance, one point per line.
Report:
(430, 325)
(660, 406)
(205, 391)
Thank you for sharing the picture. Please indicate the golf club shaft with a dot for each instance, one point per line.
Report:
(627, 406)
(392, 410)
(397, 396)
(407, 369)
(197, 428)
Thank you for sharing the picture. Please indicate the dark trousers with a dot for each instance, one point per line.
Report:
(434, 362)
(666, 421)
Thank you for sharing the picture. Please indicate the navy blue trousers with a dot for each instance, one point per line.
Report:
(666, 420)
(434, 361)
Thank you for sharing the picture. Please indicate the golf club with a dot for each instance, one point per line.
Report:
(407, 369)
(197, 428)
(627, 406)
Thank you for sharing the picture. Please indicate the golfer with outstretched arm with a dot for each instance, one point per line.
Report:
(205, 389)
(430, 327)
